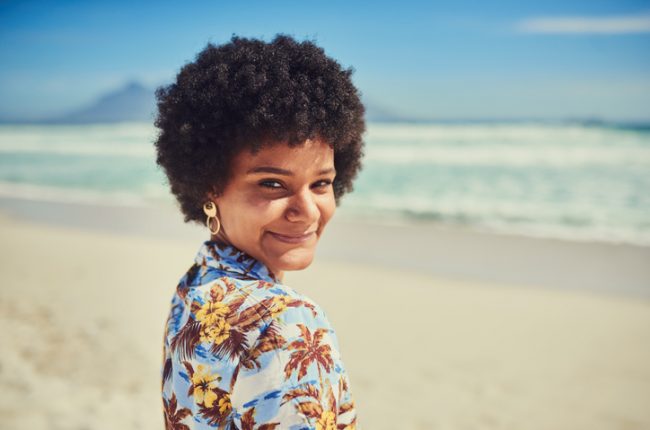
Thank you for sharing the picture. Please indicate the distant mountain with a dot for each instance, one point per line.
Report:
(375, 113)
(136, 103)
(133, 102)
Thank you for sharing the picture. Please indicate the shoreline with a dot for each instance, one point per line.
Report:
(447, 252)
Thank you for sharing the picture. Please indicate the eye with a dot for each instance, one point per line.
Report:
(269, 183)
(322, 184)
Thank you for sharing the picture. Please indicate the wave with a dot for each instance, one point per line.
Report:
(85, 148)
(88, 149)
(114, 165)
(503, 132)
(509, 155)
(130, 140)
(510, 225)
(81, 195)
(538, 221)
(458, 144)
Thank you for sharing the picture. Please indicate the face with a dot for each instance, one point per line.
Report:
(277, 203)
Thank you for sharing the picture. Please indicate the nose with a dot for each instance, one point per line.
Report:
(303, 207)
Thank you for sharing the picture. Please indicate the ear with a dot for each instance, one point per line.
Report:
(212, 195)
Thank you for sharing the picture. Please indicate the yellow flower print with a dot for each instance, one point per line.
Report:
(224, 404)
(327, 421)
(215, 331)
(210, 312)
(279, 305)
(208, 398)
(203, 385)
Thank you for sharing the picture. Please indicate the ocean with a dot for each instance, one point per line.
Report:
(557, 180)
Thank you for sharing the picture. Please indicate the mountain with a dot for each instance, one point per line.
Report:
(136, 103)
(133, 102)
(376, 113)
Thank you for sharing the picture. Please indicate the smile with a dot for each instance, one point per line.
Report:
(292, 238)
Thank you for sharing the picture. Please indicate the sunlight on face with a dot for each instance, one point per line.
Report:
(277, 203)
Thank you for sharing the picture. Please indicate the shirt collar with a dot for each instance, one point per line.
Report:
(228, 259)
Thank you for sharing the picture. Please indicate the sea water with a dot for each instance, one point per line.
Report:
(563, 180)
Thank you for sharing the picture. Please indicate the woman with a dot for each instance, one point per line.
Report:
(259, 141)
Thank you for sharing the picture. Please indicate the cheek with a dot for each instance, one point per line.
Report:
(328, 206)
(258, 215)
(242, 216)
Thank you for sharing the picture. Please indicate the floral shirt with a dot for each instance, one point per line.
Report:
(242, 351)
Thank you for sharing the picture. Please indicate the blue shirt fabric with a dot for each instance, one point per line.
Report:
(243, 351)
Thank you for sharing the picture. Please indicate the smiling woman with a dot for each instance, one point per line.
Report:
(277, 203)
(259, 141)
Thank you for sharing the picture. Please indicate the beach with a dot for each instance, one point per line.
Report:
(439, 328)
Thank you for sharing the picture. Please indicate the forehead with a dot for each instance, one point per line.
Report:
(313, 153)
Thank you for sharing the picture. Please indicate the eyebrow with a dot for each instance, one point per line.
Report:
(277, 170)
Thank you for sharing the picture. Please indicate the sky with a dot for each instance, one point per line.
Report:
(419, 59)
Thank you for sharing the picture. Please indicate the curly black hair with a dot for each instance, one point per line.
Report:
(247, 93)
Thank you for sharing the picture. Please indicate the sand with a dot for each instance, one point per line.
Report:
(83, 308)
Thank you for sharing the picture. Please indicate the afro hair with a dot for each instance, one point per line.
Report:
(248, 93)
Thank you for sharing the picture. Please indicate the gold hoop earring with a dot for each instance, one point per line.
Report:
(210, 210)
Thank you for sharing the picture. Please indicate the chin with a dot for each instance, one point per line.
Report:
(295, 260)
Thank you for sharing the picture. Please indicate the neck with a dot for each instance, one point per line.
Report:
(279, 276)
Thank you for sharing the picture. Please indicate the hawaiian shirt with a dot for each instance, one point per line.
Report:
(243, 351)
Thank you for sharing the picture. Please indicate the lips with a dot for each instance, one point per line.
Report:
(293, 238)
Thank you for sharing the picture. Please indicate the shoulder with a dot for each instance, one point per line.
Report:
(270, 299)
(285, 306)
(291, 322)
(259, 311)
(250, 303)
(295, 367)
(232, 315)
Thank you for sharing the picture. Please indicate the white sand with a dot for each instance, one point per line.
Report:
(82, 315)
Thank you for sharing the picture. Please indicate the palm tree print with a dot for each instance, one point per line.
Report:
(221, 325)
(309, 403)
(248, 422)
(174, 416)
(308, 349)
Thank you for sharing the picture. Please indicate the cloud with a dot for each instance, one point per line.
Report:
(586, 25)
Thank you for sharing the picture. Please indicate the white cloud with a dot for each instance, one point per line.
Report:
(586, 25)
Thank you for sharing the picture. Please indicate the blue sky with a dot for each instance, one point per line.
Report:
(456, 59)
